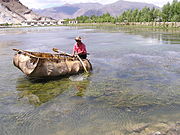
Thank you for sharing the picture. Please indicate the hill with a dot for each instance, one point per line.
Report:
(89, 9)
(14, 12)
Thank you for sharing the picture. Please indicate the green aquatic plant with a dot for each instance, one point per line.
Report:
(41, 92)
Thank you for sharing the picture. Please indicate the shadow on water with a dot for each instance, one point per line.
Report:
(39, 91)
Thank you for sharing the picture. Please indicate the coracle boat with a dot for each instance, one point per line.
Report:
(36, 64)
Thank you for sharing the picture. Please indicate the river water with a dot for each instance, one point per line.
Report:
(134, 87)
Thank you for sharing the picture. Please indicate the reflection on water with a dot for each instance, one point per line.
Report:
(167, 36)
(41, 91)
(133, 88)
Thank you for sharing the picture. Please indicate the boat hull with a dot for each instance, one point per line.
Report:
(44, 67)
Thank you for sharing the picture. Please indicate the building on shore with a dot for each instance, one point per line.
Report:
(42, 21)
(46, 22)
(73, 22)
(61, 22)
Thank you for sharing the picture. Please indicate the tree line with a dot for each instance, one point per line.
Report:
(170, 12)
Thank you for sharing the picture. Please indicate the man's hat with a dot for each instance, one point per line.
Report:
(78, 38)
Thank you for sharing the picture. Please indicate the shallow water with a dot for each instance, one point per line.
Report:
(134, 83)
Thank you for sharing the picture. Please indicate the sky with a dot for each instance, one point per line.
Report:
(40, 4)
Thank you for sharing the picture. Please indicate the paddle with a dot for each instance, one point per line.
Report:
(58, 51)
(82, 63)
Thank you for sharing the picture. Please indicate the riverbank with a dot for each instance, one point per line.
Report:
(153, 24)
(158, 25)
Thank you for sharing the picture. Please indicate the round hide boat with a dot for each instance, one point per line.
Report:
(36, 64)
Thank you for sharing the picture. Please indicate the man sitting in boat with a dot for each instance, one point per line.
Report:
(79, 48)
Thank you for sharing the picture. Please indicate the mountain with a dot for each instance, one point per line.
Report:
(14, 12)
(120, 6)
(68, 10)
(89, 9)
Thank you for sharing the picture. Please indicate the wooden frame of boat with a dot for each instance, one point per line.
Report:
(37, 64)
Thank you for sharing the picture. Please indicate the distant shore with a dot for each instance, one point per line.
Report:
(161, 25)
(158, 25)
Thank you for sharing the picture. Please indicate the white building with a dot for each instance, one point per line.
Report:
(38, 22)
(73, 22)
(61, 22)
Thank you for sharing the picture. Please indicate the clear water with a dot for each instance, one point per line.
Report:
(135, 80)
